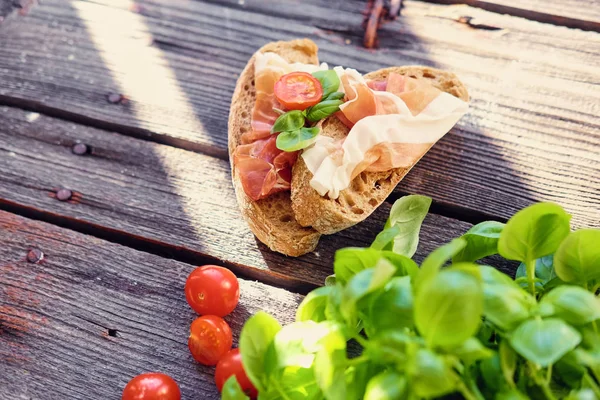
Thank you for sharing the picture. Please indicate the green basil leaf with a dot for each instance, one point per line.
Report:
(256, 336)
(362, 284)
(297, 140)
(314, 304)
(232, 390)
(482, 241)
(471, 350)
(534, 232)
(335, 96)
(404, 265)
(573, 304)
(395, 300)
(391, 347)
(544, 269)
(436, 260)
(330, 366)
(349, 261)
(330, 280)
(293, 383)
(569, 370)
(290, 121)
(544, 341)
(452, 295)
(491, 373)
(433, 376)
(357, 378)
(506, 305)
(508, 361)
(330, 82)
(323, 110)
(385, 237)
(388, 385)
(578, 257)
(583, 394)
(511, 394)
(407, 214)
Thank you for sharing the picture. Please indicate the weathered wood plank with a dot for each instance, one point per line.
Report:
(156, 195)
(531, 134)
(580, 14)
(55, 315)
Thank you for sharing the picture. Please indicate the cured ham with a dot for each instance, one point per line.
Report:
(392, 124)
(263, 168)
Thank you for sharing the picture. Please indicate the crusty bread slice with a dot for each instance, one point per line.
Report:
(369, 189)
(271, 219)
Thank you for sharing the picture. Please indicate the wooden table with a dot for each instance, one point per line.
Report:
(113, 163)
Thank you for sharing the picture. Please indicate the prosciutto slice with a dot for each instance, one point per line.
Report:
(392, 124)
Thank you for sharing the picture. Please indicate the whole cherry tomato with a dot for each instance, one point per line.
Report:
(151, 386)
(231, 364)
(212, 290)
(298, 90)
(210, 339)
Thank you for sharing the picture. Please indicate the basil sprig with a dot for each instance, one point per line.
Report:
(329, 81)
(297, 139)
(290, 121)
(434, 331)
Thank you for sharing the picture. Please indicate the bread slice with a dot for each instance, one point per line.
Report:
(271, 219)
(369, 189)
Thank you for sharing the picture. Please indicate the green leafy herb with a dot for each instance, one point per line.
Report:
(508, 362)
(578, 257)
(572, 304)
(436, 260)
(396, 299)
(544, 270)
(433, 375)
(232, 390)
(330, 366)
(297, 139)
(335, 96)
(323, 110)
(471, 350)
(314, 304)
(290, 121)
(544, 341)
(351, 260)
(406, 216)
(330, 82)
(388, 385)
(482, 241)
(450, 296)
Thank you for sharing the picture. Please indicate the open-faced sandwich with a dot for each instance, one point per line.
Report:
(315, 150)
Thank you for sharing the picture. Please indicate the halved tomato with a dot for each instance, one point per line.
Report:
(298, 90)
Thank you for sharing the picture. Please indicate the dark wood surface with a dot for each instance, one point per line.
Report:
(55, 315)
(146, 86)
(530, 134)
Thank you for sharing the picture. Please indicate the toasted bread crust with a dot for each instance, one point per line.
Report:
(271, 219)
(369, 189)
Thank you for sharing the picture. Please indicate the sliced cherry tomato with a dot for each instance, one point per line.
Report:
(212, 290)
(210, 339)
(151, 386)
(298, 90)
(231, 364)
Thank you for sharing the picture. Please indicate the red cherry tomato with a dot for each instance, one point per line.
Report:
(151, 386)
(231, 364)
(210, 339)
(212, 290)
(298, 90)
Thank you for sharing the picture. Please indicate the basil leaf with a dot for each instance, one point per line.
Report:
(544, 270)
(330, 82)
(534, 232)
(569, 369)
(232, 390)
(292, 382)
(505, 303)
(578, 257)
(297, 139)
(313, 306)
(471, 350)
(330, 280)
(257, 335)
(544, 341)
(454, 294)
(433, 376)
(390, 347)
(573, 304)
(330, 366)
(323, 110)
(511, 394)
(404, 265)
(436, 260)
(385, 237)
(357, 377)
(491, 372)
(388, 385)
(482, 241)
(396, 299)
(361, 284)
(335, 96)
(290, 121)
(407, 214)
(508, 361)
(349, 261)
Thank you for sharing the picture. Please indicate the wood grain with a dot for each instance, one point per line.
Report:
(531, 134)
(157, 197)
(579, 14)
(55, 316)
